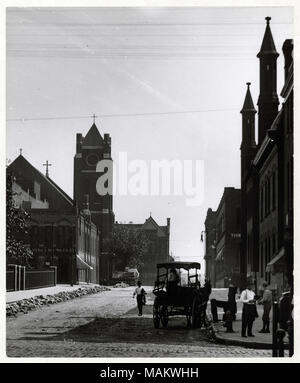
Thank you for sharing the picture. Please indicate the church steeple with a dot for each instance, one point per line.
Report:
(248, 145)
(268, 99)
(267, 46)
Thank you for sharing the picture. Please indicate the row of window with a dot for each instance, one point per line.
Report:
(62, 236)
(268, 248)
(267, 196)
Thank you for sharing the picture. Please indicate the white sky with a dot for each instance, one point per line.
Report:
(77, 62)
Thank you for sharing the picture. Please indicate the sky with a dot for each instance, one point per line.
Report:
(165, 83)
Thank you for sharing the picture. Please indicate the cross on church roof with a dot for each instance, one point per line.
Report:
(94, 118)
(21, 151)
(47, 168)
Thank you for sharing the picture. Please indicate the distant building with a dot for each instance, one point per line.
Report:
(267, 174)
(210, 246)
(158, 250)
(59, 234)
(223, 238)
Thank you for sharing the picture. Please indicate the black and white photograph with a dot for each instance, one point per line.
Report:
(149, 183)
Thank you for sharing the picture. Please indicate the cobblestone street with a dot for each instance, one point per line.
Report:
(106, 325)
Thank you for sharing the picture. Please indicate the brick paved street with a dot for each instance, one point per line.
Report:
(106, 325)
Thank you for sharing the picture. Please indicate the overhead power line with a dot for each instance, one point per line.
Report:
(118, 115)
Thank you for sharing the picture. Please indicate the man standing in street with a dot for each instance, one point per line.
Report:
(140, 293)
(249, 310)
(266, 301)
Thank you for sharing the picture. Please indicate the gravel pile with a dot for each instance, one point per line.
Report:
(121, 284)
(25, 305)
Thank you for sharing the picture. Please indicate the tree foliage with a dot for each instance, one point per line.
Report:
(17, 223)
(130, 245)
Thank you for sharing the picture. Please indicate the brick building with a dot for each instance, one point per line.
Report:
(59, 234)
(267, 174)
(89, 151)
(223, 237)
(210, 246)
(158, 250)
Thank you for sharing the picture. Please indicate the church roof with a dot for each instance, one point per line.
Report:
(148, 225)
(151, 224)
(248, 103)
(267, 46)
(19, 165)
(93, 137)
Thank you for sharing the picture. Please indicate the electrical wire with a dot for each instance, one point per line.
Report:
(119, 115)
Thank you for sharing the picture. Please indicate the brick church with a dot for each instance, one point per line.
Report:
(69, 234)
(89, 151)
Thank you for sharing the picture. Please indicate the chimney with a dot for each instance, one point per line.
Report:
(287, 50)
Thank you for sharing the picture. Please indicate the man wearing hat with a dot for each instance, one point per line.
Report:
(249, 310)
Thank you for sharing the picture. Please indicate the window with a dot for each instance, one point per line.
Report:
(238, 217)
(274, 244)
(274, 191)
(48, 237)
(261, 203)
(34, 237)
(262, 259)
(266, 257)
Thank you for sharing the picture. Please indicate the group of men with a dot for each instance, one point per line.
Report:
(249, 313)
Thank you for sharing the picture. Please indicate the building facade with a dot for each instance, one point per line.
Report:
(158, 248)
(267, 174)
(210, 246)
(59, 234)
(90, 150)
(223, 240)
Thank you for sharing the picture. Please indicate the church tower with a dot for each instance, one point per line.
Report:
(248, 189)
(268, 99)
(248, 145)
(89, 151)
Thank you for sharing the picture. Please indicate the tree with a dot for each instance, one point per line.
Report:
(130, 246)
(17, 223)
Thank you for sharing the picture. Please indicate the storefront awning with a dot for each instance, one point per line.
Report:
(220, 256)
(81, 264)
(275, 261)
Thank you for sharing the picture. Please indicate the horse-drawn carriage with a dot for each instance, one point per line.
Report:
(182, 296)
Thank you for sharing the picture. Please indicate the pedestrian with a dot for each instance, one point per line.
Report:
(232, 307)
(249, 310)
(140, 294)
(266, 301)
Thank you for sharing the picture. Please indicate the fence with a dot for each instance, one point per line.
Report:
(282, 330)
(19, 278)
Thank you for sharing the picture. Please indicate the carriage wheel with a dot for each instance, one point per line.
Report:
(196, 313)
(164, 316)
(156, 316)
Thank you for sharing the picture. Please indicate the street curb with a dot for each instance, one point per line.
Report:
(241, 343)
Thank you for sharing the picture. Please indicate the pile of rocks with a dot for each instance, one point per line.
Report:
(121, 284)
(25, 305)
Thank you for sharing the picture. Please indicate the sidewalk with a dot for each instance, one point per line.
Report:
(14, 296)
(259, 341)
